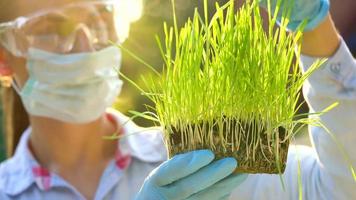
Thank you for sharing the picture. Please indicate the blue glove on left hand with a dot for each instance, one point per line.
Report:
(192, 176)
(314, 11)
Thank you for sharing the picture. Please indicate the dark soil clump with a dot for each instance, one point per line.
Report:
(265, 154)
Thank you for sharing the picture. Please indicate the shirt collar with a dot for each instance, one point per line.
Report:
(18, 168)
(145, 144)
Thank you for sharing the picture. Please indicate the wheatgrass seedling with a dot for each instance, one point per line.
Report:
(227, 86)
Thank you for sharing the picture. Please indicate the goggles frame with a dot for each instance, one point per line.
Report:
(18, 23)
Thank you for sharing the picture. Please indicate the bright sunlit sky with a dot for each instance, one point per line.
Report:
(129, 11)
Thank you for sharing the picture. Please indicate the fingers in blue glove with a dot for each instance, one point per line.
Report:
(181, 166)
(188, 174)
(202, 179)
(220, 190)
(314, 11)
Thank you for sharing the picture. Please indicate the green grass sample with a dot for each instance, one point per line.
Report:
(227, 86)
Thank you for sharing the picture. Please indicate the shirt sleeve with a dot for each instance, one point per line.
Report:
(325, 167)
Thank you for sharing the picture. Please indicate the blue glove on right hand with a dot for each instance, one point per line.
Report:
(314, 11)
(192, 176)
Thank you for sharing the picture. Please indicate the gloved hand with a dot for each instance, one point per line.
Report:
(192, 176)
(314, 11)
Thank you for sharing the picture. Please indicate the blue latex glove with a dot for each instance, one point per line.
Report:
(192, 176)
(314, 11)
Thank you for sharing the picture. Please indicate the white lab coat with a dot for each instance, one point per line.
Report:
(325, 172)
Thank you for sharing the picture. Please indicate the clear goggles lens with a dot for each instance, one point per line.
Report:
(99, 23)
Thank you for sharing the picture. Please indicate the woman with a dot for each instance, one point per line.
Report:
(64, 156)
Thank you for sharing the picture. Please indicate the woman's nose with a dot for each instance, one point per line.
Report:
(83, 40)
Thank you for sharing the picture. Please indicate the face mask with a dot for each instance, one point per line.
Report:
(75, 88)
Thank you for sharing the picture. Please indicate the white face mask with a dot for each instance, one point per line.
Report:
(75, 88)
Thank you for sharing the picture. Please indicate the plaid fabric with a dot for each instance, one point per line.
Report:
(42, 177)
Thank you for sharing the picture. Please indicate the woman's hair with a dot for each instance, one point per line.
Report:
(15, 119)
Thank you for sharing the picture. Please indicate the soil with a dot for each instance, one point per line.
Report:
(263, 161)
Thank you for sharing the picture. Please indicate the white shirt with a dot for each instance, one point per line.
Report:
(22, 178)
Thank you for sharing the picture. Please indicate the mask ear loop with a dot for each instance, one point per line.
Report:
(16, 87)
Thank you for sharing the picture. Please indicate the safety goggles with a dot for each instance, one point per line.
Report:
(56, 30)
